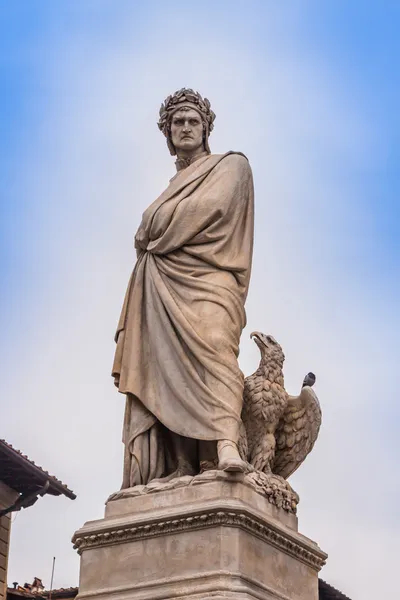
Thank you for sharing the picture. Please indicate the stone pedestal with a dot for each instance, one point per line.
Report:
(213, 536)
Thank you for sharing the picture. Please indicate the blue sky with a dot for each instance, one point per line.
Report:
(356, 41)
(309, 90)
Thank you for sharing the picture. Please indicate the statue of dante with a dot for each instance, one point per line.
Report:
(178, 335)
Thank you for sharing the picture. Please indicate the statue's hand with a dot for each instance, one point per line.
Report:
(140, 241)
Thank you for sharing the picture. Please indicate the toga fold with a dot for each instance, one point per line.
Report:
(179, 330)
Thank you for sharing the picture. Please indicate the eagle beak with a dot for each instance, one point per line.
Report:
(256, 335)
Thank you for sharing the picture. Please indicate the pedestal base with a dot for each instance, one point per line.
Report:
(217, 540)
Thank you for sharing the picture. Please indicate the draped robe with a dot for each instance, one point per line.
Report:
(178, 335)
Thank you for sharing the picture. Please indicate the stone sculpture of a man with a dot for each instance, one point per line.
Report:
(178, 335)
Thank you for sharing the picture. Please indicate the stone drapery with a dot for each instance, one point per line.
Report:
(179, 331)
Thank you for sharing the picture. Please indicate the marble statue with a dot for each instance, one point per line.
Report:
(205, 510)
(188, 407)
(178, 334)
(279, 430)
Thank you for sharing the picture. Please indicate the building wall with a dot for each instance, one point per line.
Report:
(7, 497)
(4, 544)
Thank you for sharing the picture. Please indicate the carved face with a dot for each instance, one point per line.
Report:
(187, 130)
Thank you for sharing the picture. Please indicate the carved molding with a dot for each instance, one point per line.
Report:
(314, 558)
(276, 489)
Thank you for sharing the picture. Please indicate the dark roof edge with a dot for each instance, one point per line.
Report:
(334, 594)
(61, 592)
(57, 487)
(57, 593)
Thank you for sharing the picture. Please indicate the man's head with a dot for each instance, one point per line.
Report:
(187, 129)
(186, 120)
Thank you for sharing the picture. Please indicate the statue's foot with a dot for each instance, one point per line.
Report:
(229, 458)
(183, 470)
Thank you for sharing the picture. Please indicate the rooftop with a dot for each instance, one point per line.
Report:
(38, 594)
(327, 592)
(24, 476)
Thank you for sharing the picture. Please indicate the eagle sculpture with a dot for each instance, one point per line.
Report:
(279, 430)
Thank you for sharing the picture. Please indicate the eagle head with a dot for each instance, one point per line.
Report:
(269, 347)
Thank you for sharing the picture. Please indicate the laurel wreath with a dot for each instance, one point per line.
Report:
(188, 95)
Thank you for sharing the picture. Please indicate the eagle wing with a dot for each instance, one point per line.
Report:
(251, 412)
(297, 432)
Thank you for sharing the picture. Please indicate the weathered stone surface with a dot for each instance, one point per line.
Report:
(205, 511)
(183, 314)
(187, 403)
(220, 539)
(274, 489)
(279, 430)
(7, 497)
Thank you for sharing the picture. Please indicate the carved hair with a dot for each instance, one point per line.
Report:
(185, 99)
